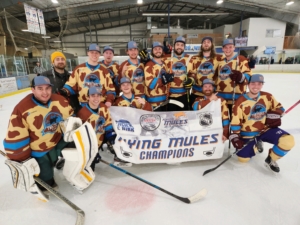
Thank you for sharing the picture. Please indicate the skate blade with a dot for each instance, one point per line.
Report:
(122, 164)
(268, 167)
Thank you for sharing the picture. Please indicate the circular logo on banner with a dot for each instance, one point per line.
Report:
(150, 122)
(205, 119)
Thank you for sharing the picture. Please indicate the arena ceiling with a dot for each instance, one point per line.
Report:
(77, 16)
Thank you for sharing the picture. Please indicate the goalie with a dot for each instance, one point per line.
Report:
(34, 138)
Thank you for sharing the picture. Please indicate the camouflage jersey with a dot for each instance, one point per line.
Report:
(225, 84)
(33, 128)
(100, 120)
(249, 115)
(155, 90)
(204, 68)
(136, 74)
(84, 77)
(180, 73)
(113, 69)
(133, 102)
(201, 102)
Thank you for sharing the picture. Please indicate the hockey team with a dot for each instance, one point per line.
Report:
(65, 127)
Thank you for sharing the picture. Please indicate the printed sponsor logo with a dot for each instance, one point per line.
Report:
(205, 119)
(150, 122)
(178, 119)
(124, 125)
(209, 153)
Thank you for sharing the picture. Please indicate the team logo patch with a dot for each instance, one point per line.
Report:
(138, 76)
(178, 119)
(225, 72)
(51, 122)
(124, 125)
(258, 112)
(209, 153)
(100, 125)
(150, 122)
(206, 68)
(92, 80)
(179, 69)
(205, 119)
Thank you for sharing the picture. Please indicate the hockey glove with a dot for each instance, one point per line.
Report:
(167, 78)
(167, 48)
(96, 160)
(110, 136)
(63, 92)
(237, 76)
(188, 83)
(236, 141)
(273, 119)
(144, 56)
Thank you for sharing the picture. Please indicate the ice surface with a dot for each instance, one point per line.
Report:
(237, 193)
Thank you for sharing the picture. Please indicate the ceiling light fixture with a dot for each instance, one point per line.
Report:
(139, 1)
(54, 1)
(25, 30)
(289, 2)
(57, 41)
(219, 1)
(46, 37)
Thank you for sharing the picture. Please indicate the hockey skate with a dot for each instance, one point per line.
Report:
(121, 163)
(272, 165)
(260, 147)
(60, 163)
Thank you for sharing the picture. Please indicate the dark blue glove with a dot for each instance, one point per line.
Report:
(167, 78)
(96, 160)
(110, 136)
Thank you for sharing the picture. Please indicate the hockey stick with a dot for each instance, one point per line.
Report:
(191, 199)
(254, 138)
(170, 101)
(80, 213)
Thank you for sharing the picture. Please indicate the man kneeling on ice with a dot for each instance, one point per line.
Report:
(34, 141)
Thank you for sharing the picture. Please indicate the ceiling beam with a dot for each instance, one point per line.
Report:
(8, 3)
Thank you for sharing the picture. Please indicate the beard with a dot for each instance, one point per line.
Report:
(60, 66)
(178, 51)
(207, 92)
(158, 55)
(205, 49)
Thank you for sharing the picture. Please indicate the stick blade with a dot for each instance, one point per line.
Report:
(201, 194)
(175, 102)
(80, 217)
(208, 171)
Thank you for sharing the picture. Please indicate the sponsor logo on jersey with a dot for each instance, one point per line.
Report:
(179, 69)
(92, 80)
(205, 119)
(150, 122)
(206, 68)
(51, 122)
(138, 76)
(225, 72)
(124, 125)
(258, 112)
(100, 125)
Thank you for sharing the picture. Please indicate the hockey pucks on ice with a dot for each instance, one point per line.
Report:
(150, 122)
(205, 119)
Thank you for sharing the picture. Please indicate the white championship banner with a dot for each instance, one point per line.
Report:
(168, 137)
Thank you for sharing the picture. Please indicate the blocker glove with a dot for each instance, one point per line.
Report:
(167, 78)
(237, 76)
(236, 141)
(273, 119)
(188, 83)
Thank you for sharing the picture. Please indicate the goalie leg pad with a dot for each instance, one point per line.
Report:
(77, 169)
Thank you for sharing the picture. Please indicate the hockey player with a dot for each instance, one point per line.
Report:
(133, 69)
(156, 91)
(203, 66)
(97, 114)
(233, 74)
(34, 139)
(208, 87)
(180, 84)
(111, 66)
(258, 114)
(90, 74)
(129, 99)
